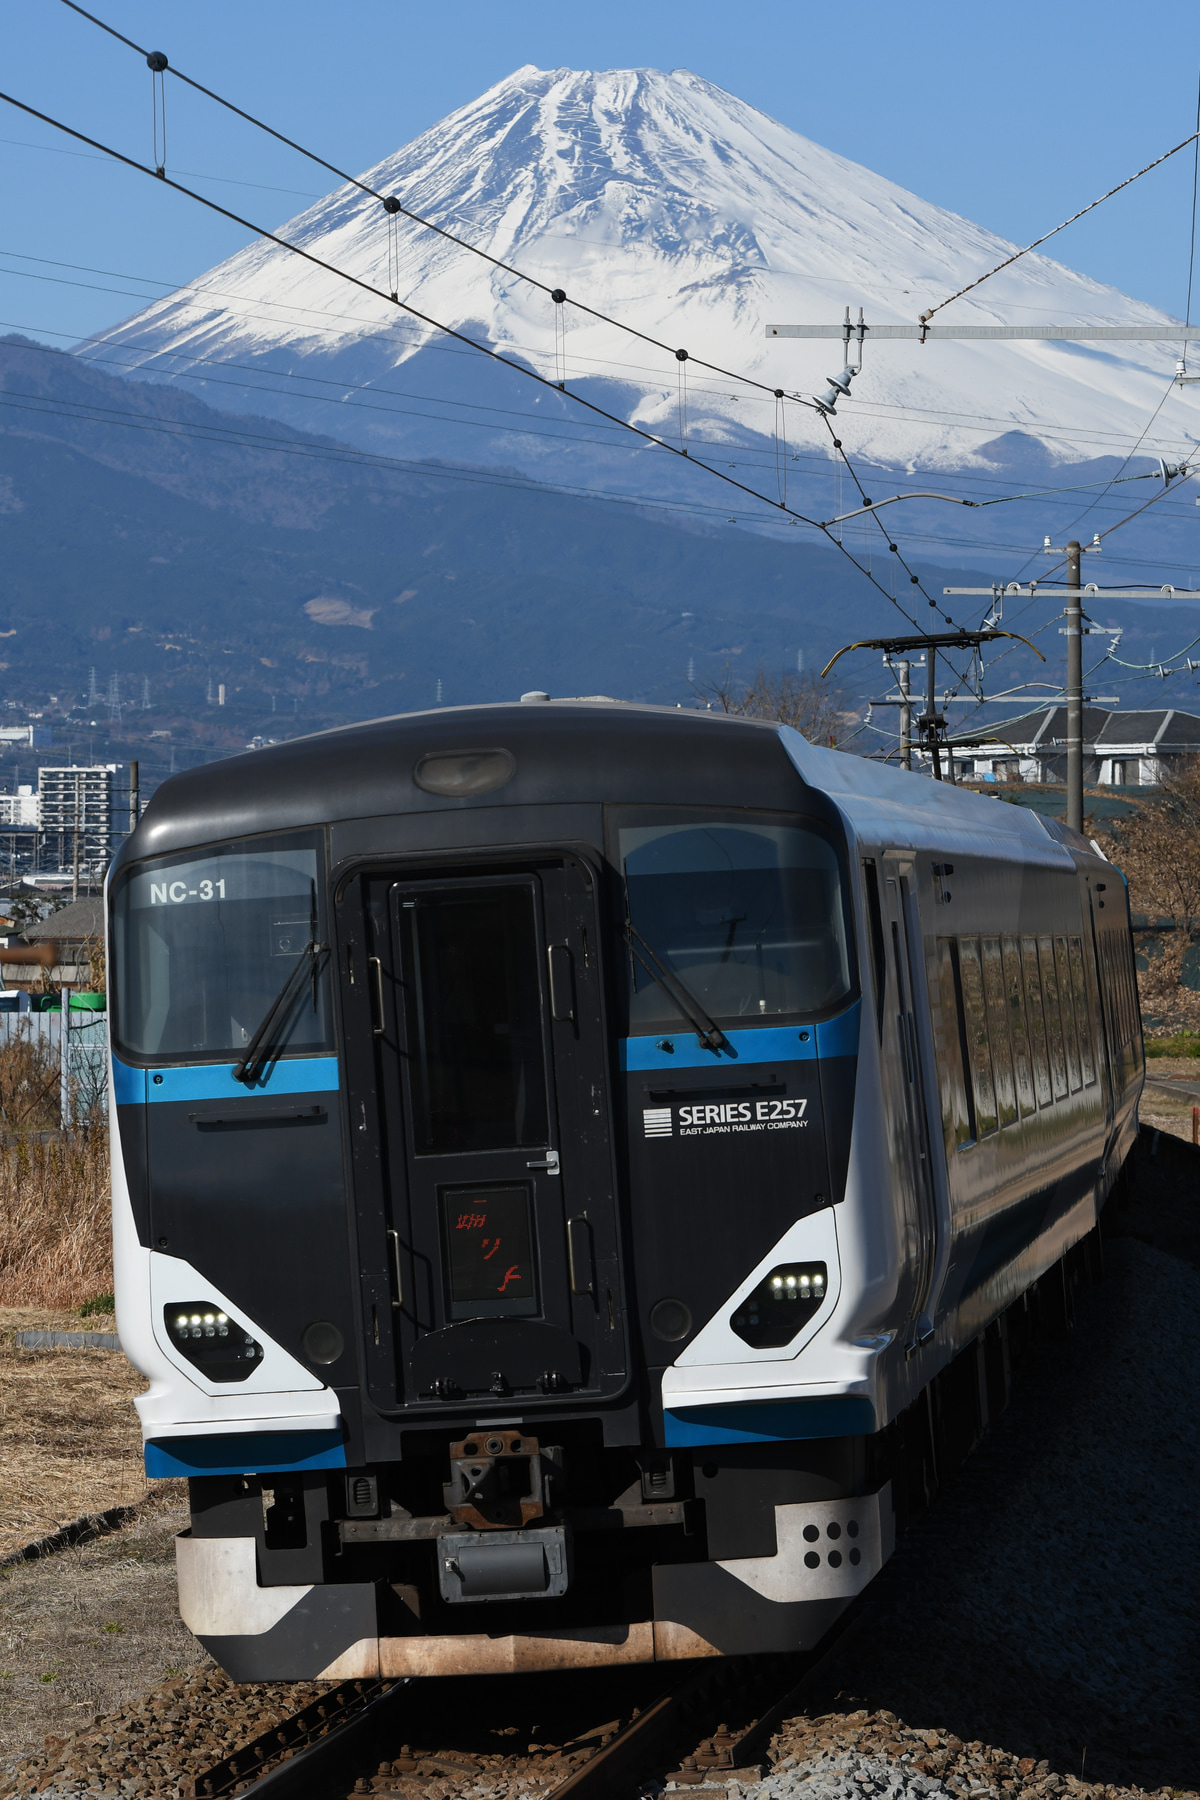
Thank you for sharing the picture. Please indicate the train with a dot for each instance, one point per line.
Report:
(582, 1171)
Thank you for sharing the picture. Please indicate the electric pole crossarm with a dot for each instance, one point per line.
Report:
(1155, 334)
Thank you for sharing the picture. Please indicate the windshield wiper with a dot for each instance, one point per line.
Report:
(262, 1045)
(710, 1034)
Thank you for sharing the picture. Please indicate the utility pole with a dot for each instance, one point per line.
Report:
(75, 860)
(1073, 631)
(1074, 689)
(902, 673)
(134, 797)
(902, 698)
(931, 719)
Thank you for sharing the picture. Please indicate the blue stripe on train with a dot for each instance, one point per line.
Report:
(772, 1421)
(215, 1081)
(244, 1453)
(763, 1043)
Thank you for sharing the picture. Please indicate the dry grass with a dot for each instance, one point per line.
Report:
(87, 1631)
(1164, 1112)
(29, 1085)
(55, 1220)
(72, 1444)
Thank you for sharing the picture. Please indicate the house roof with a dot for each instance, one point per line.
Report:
(1181, 730)
(1107, 731)
(81, 919)
(1044, 730)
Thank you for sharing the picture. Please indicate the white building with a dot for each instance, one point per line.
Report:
(1120, 749)
(38, 737)
(19, 809)
(79, 803)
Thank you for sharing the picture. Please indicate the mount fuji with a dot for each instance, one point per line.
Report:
(222, 528)
(674, 207)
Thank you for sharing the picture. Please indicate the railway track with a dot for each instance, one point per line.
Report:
(585, 1735)
(569, 1735)
(691, 1724)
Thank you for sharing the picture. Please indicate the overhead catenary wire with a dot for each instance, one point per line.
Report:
(966, 421)
(894, 549)
(193, 174)
(1129, 517)
(393, 206)
(348, 457)
(396, 206)
(924, 318)
(378, 293)
(821, 466)
(450, 331)
(1187, 311)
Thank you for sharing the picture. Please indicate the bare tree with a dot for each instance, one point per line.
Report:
(816, 711)
(1157, 850)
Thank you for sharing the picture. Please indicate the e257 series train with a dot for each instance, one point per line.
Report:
(578, 1168)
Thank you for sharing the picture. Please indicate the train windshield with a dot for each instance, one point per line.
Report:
(205, 945)
(749, 917)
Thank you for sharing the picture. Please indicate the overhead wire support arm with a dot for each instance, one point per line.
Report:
(1165, 334)
(874, 505)
(932, 723)
(1033, 589)
(932, 640)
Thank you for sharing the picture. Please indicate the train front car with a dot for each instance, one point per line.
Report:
(529, 1270)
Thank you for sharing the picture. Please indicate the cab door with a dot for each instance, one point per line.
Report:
(491, 1104)
(903, 1063)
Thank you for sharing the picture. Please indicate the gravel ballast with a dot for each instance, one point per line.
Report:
(1050, 1601)
(1034, 1635)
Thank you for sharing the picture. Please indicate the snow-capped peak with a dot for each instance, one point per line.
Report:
(674, 207)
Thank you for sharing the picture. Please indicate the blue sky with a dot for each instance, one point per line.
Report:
(1014, 116)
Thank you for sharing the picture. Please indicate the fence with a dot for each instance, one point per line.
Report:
(83, 1070)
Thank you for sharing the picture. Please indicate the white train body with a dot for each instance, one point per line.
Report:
(580, 1167)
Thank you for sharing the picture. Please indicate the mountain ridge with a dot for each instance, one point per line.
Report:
(182, 562)
(692, 216)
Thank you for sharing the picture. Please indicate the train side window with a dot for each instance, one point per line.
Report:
(1018, 1031)
(878, 945)
(997, 1012)
(978, 1047)
(1139, 1048)
(1054, 1033)
(1118, 1006)
(950, 1047)
(1083, 1019)
(1135, 1054)
(1114, 1003)
(1067, 998)
(1037, 1022)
